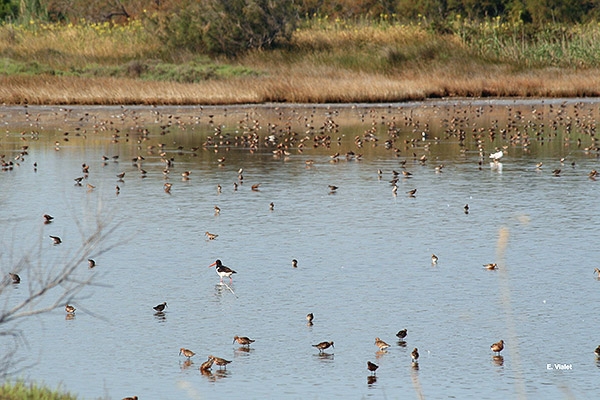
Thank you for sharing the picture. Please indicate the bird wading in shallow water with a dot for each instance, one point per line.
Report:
(161, 307)
(221, 362)
(243, 340)
(186, 352)
(381, 344)
(223, 271)
(497, 347)
(323, 345)
(372, 367)
(402, 334)
(414, 355)
(309, 318)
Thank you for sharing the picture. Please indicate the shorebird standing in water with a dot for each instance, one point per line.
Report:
(372, 367)
(206, 365)
(402, 334)
(295, 263)
(323, 345)
(497, 347)
(243, 340)
(70, 309)
(15, 278)
(223, 271)
(414, 355)
(211, 236)
(309, 318)
(161, 307)
(381, 344)
(221, 362)
(434, 259)
(490, 266)
(186, 352)
(56, 239)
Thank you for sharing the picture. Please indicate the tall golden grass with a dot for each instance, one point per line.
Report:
(330, 62)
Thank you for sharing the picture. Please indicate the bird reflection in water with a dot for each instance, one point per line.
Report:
(371, 380)
(186, 364)
(325, 356)
(498, 360)
(70, 316)
(243, 349)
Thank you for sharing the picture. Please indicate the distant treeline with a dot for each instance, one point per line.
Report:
(232, 27)
(527, 11)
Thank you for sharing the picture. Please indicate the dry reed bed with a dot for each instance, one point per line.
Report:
(344, 87)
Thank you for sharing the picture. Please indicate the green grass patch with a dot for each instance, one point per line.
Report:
(22, 391)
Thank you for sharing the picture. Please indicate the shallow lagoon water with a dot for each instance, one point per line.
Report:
(364, 255)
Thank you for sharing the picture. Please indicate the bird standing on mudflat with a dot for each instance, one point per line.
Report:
(223, 271)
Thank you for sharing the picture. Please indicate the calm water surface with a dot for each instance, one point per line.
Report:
(364, 255)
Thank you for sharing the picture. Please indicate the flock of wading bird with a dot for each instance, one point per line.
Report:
(403, 131)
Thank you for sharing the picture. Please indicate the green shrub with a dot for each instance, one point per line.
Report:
(228, 27)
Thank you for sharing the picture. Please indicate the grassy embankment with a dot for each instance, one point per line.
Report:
(19, 391)
(328, 61)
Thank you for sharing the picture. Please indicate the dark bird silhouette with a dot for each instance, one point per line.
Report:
(372, 367)
(48, 218)
(15, 278)
(323, 345)
(69, 309)
(411, 193)
(295, 263)
(402, 334)
(91, 263)
(597, 351)
(161, 307)
(56, 239)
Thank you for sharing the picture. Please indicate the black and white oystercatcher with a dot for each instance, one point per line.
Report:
(223, 271)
